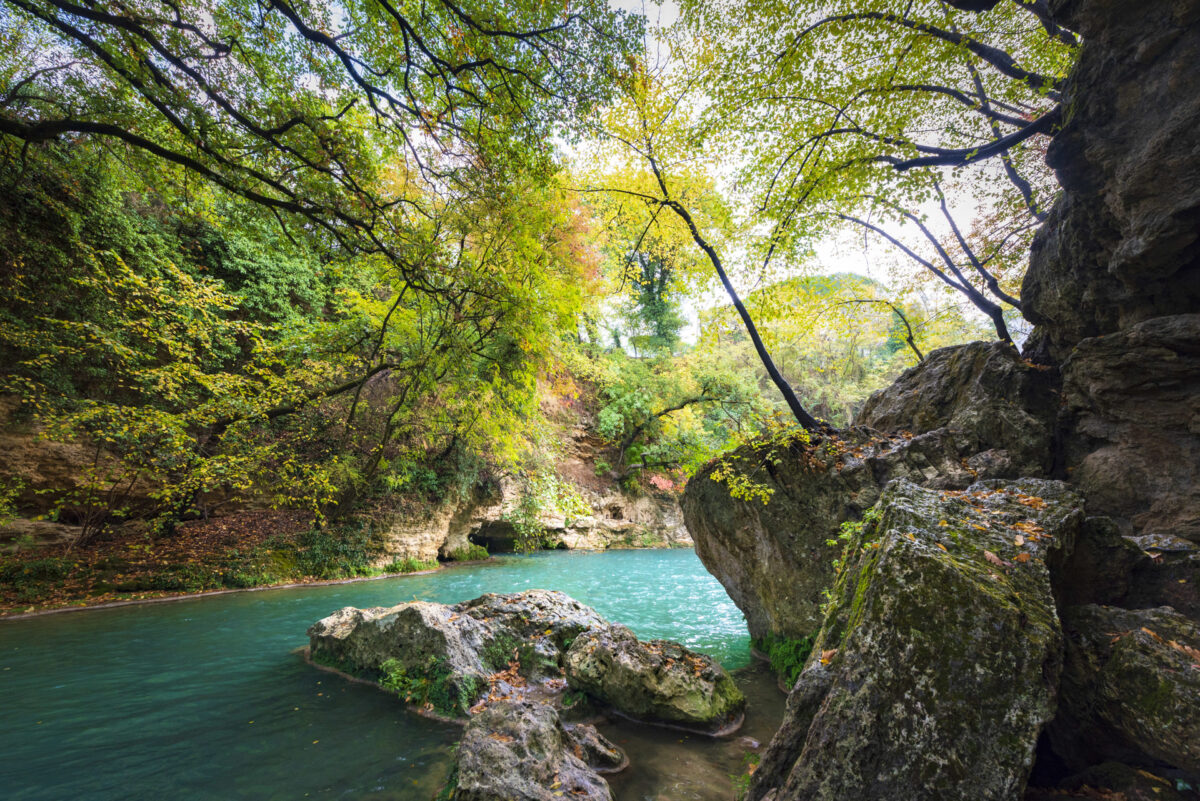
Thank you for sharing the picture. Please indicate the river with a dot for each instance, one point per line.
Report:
(207, 698)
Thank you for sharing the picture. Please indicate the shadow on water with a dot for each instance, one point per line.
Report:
(206, 699)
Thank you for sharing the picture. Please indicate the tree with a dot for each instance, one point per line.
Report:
(865, 113)
(648, 125)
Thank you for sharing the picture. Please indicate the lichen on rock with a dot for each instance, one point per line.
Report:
(521, 751)
(656, 681)
(943, 605)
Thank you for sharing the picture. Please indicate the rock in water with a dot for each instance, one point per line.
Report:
(1131, 688)
(938, 662)
(453, 650)
(520, 751)
(657, 681)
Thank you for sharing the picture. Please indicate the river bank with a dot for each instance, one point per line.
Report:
(252, 551)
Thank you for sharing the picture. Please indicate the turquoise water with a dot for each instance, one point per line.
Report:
(206, 698)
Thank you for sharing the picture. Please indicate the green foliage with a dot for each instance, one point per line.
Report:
(851, 538)
(771, 448)
(344, 551)
(433, 684)
(469, 553)
(408, 565)
(542, 493)
(10, 490)
(786, 656)
(35, 572)
(741, 781)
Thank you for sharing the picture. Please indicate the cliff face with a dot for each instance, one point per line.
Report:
(1114, 277)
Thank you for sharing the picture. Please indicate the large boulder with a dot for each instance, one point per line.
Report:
(521, 751)
(1130, 689)
(966, 413)
(364, 639)
(454, 650)
(937, 664)
(656, 681)
(983, 395)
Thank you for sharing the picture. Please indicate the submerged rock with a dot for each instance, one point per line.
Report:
(520, 751)
(656, 681)
(937, 664)
(1131, 688)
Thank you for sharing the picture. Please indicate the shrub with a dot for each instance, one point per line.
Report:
(471, 553)
(787, 656)
(408, 565)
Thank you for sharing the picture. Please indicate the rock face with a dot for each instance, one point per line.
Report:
(1120, 245)
(1134, 406)
(943, 606)
(999, 409)
(966, 413)
(520, 751)
(654, 681)
(1131, 688)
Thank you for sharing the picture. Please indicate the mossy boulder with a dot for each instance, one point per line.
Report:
(937, 663)
(1131, 688)
(657, 681)
(521, 751)
(459, 645)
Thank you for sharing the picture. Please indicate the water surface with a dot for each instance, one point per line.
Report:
(206, 698)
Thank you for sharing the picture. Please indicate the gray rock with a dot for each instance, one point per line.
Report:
(1130, 688)
(656, 681)
(937, 663)
(520, 751)
(991, 400)
(1170, 575)
(966, 413)
(1119, 246)
(456, 647)
(1133, 409)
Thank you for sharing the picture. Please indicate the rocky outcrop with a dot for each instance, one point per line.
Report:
(1120, 245)
(937, 664)
(503, 662)
(1130, 690)
(998, 409)
(521, 751)
(1133, 407)
(966, 413)
(453, 654)
(656, 681)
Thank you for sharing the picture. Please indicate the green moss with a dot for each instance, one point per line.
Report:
(502, 650)
(433, 683)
